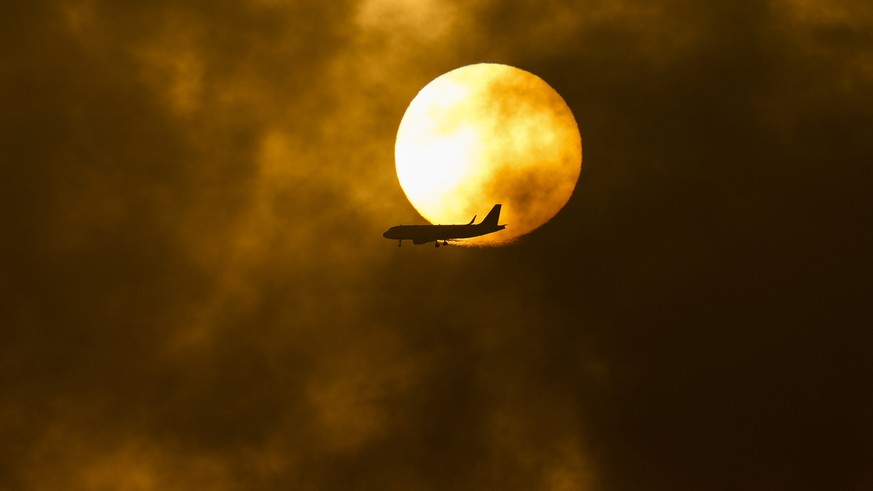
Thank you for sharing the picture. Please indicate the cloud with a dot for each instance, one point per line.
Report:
(78, 463)
(196, 293)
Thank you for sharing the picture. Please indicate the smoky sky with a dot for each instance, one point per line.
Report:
(196, 293)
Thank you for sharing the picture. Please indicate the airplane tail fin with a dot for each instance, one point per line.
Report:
(492, 217)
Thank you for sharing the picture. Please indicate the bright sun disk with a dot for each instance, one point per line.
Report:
(485, 134)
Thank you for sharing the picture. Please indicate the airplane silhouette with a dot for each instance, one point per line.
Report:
(422, 234)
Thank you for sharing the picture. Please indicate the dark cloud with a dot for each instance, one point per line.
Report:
(196, 294)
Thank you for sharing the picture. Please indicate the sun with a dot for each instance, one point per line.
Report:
(485, 134)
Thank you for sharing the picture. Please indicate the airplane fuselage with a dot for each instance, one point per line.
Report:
(422, 234)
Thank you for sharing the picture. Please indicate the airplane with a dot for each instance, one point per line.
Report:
(422, 234)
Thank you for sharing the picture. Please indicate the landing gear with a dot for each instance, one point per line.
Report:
(399, 243)
(445, 242)
(436, 244)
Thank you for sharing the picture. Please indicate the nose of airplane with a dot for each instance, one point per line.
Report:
(386, 234)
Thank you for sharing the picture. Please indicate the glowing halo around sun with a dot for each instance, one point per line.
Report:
(485, 134)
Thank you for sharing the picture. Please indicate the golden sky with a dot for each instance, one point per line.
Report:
(195, 293)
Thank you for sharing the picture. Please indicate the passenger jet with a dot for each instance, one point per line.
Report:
(422, 234)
